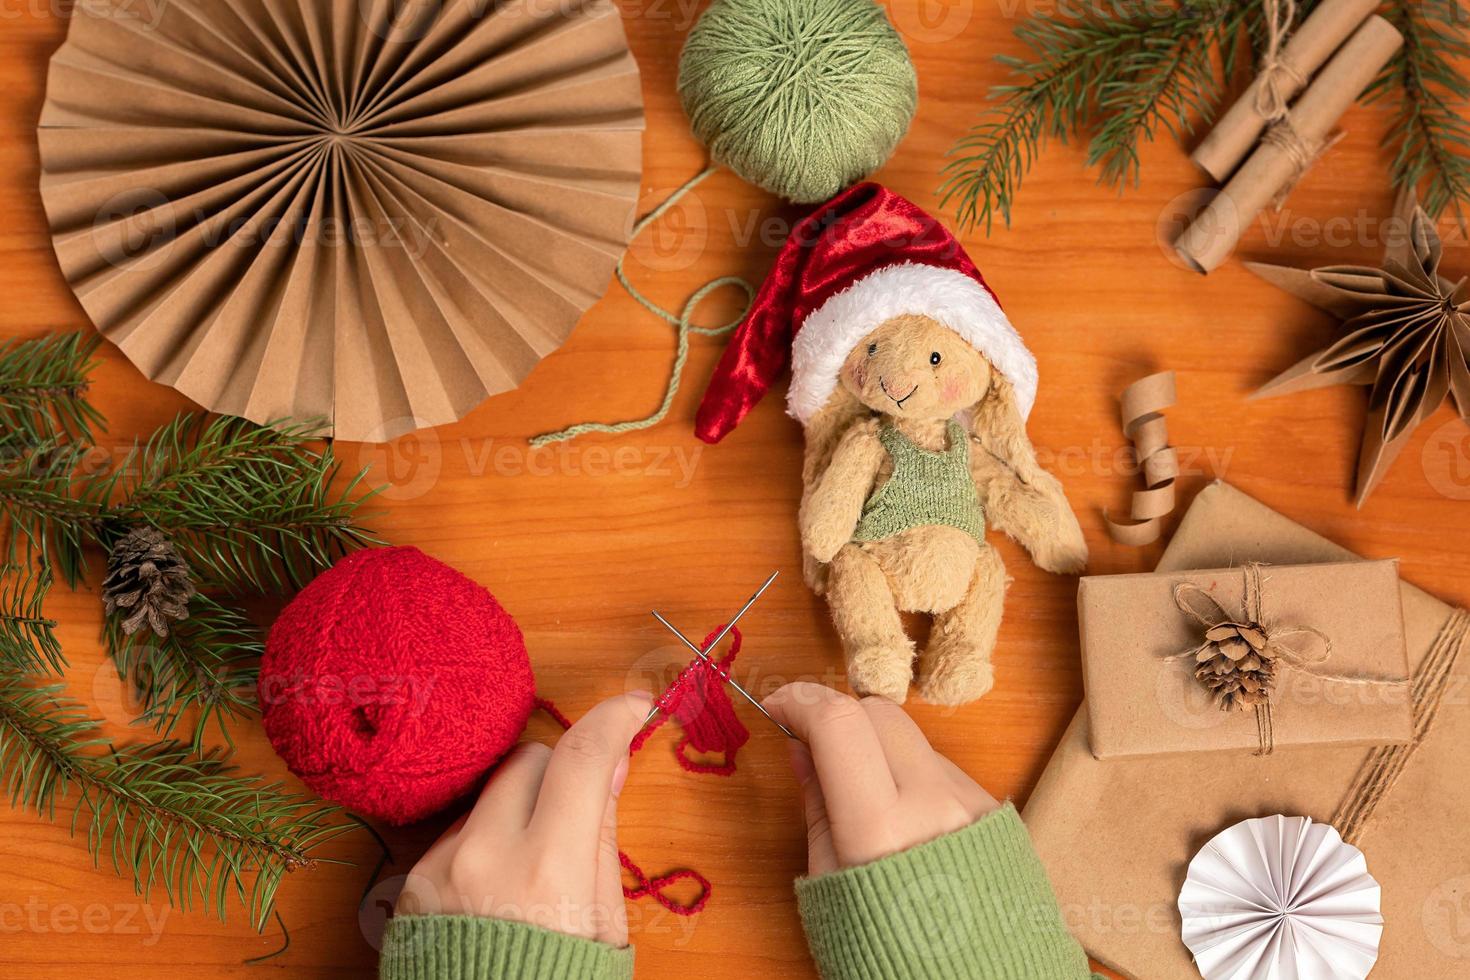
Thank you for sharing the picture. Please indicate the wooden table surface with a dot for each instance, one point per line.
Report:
(580, 542)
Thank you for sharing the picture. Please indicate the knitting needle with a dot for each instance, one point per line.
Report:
(720, 636)
(716, 641)
(726, 677)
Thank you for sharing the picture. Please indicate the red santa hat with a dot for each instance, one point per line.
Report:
(866, 256)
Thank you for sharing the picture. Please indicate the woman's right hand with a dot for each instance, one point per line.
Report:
(871, 784)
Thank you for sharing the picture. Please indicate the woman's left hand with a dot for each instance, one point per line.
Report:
(540, 845)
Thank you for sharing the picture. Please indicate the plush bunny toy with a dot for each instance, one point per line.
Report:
(913, 388)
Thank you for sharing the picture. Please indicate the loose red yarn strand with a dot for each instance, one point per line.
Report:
(698, 701)
(555, 713)
(655, 888)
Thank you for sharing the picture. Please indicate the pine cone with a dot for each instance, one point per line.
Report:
(147, 581)
(1236, 666)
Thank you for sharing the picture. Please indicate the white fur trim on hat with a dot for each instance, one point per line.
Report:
(953, 298)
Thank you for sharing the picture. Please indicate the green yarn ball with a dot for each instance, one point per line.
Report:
(800, 97)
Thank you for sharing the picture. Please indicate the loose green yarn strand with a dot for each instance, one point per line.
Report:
(683, 324)
(799, 97)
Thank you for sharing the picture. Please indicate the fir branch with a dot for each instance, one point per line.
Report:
(27, 638)
(164, 817)
(1145, 66)
(253, 510)
(250, 507)
(48, 515)
(1052, 97)
(1169, 83)
(43, 388)
(1430, 135)
(1124, 73)
(208, 664)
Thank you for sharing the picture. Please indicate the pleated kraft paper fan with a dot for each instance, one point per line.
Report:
(374, 212)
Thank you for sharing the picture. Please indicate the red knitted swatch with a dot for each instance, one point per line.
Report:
(698, 701)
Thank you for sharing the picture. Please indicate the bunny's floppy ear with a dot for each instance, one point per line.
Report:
(824, 431)
(1021, 499)
(999, 428)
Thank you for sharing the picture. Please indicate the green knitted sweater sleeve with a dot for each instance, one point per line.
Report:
(462, 947)
(973, 905)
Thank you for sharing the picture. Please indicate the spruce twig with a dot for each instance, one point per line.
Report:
(163, 816)
(252, 508)
(1050, 100)
(27, 638)
(1169, 82)
(1429, 136)
(208, 664)
(1134, 67)
(43, 388)
(1123, 72)
(49, 514)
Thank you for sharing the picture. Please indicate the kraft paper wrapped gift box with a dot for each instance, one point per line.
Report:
(1117, 835)
(1343, 619)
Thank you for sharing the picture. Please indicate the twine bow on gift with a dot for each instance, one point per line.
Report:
(1241, 658)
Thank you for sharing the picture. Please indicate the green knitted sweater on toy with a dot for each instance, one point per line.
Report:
(926, 488)
(973, 905)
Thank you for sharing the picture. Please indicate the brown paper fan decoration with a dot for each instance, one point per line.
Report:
(374, 212)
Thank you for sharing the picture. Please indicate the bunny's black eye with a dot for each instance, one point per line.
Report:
(872, 349)
(934, 358)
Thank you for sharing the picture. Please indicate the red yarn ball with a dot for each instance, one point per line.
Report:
(392, 683)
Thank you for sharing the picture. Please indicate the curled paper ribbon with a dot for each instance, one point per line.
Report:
(1240, 658)
(1143, 423)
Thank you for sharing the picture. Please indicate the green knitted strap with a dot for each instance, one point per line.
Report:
(901, 447)
(682, 323)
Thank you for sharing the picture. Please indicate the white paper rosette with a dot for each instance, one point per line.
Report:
(1281, 898)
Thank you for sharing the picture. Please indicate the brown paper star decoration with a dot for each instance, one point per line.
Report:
(1406, 335)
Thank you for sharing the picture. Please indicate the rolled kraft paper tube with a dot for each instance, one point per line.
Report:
(1212, 236)
(1307, 50)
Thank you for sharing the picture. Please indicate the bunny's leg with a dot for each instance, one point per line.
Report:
(955, 668)
(880, 657)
